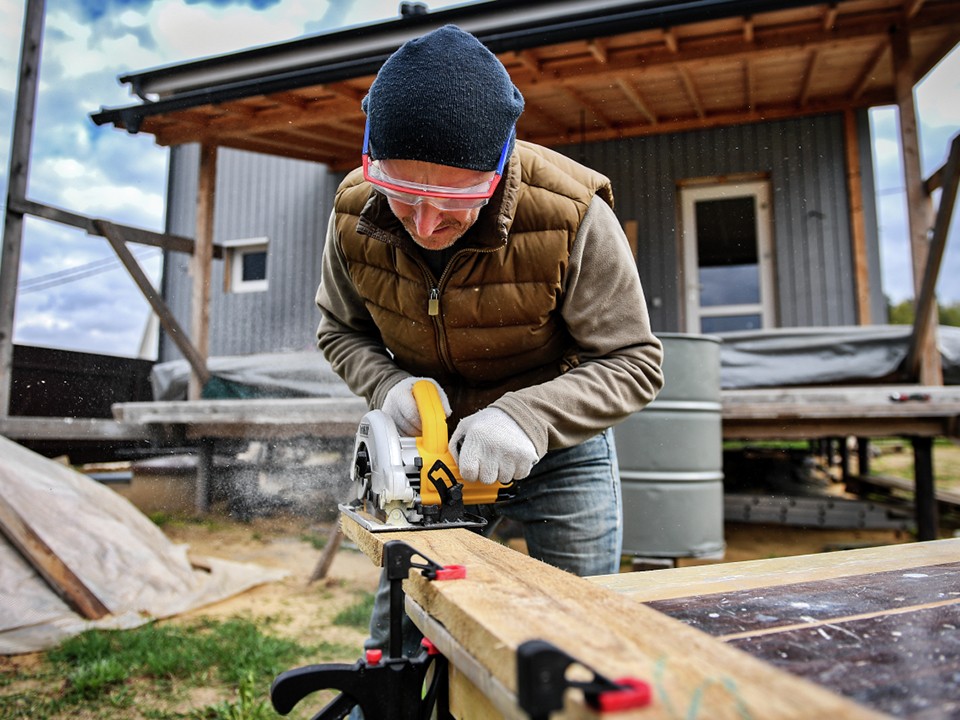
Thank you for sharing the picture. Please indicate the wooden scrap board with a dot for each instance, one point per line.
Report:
(509, 598)
(878, 625)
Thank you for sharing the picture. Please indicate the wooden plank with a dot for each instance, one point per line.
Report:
(50, 567)
(69, 428)
(262, 418)
(115, 237)
(175, 243)
(508, 598)
(20, 142)
(944, 495)
(772, 572)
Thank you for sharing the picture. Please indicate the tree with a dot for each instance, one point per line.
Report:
(902, 313)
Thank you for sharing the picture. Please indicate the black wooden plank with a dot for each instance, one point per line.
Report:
(905, 664)
(821, 600)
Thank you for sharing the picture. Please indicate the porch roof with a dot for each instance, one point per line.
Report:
(588, 71)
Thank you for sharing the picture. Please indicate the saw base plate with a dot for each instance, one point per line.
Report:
(371, 523)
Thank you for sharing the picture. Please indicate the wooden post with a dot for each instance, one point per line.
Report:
(919, 204)
(926, 305)
(924, 498)
(201, 260)
(20, 144)
(858, 231)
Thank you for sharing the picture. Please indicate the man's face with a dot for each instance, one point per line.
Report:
(430, 227)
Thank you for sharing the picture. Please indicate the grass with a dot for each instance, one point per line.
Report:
(149, 673)
(357, 615)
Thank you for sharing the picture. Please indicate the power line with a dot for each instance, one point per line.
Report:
(80, 272)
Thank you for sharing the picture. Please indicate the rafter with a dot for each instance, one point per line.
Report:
(869, 70)
(808, 77)
(598, 49)
(633, 96)
(691, 89)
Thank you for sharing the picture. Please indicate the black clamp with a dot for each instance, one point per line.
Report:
(384, 688)
(542, 682)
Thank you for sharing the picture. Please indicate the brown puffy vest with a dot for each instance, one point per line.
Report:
(494, 324)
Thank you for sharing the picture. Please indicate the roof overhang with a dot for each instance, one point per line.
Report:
(588, 71)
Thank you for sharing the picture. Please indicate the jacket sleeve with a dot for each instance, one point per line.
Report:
(347, 334)
(606, 314)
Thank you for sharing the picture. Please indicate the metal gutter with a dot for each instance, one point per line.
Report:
(502, 25)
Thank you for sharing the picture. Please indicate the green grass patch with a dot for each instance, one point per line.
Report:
(144, 672)
(358, 614)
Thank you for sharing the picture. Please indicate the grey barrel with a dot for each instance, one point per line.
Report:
(671, 457)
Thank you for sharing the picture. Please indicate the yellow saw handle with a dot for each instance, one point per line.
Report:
(433, 446)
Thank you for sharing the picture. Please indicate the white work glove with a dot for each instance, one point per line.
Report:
(494, 448)
(401, 407)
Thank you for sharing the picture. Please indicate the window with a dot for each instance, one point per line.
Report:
(727, 256)
(246, 265)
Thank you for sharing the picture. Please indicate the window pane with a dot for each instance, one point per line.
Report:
(729, 285)
(729, 323)
(254, 266)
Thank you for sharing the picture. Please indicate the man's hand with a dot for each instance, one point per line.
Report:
(401, 407)
(489, 446)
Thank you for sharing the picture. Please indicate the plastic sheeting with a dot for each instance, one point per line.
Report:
(821, 356)
(114, 550)
(275, 375)
(763, 358)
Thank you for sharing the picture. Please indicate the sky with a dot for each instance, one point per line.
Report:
(73, 292)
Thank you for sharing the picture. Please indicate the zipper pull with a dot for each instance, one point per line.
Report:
(433, 306)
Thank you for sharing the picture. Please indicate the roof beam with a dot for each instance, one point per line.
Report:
(691, 89)
(808, 77)
(631, 93)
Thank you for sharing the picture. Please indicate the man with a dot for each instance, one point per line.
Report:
(497, 269)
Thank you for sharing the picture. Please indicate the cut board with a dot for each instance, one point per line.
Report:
(508, 598)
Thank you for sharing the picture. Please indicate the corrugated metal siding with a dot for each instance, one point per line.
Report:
(804, 160)
(284, 200)
(289, 202)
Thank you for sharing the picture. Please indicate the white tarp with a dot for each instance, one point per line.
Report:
(113, 549)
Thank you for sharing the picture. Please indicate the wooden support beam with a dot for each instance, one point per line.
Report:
(926, 306)
(200, 264)
(508, 598)
(23, 116)
(869, 71)
(115, 237)
(48, 565)
(175, 243)
(633, 96)
(919, 204)
(858, 228)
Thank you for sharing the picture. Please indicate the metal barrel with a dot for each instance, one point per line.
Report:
(671, 458)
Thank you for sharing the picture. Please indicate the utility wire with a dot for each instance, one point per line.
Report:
(80, 272)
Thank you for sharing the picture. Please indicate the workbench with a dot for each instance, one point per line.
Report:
(850, 634)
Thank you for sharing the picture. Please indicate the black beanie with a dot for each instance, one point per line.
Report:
(442, 98)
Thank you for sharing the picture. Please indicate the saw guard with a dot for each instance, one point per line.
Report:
(378, 472)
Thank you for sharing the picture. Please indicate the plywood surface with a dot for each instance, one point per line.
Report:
(508, 598)
(876, 625)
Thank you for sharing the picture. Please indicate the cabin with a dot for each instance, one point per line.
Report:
(735, 133)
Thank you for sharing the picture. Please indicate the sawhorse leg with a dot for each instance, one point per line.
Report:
(925, 502)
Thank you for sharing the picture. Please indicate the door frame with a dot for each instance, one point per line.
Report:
(689, 195)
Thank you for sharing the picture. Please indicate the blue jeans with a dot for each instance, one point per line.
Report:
(570, 510)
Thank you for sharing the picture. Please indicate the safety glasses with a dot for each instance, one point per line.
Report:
(441, 197)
